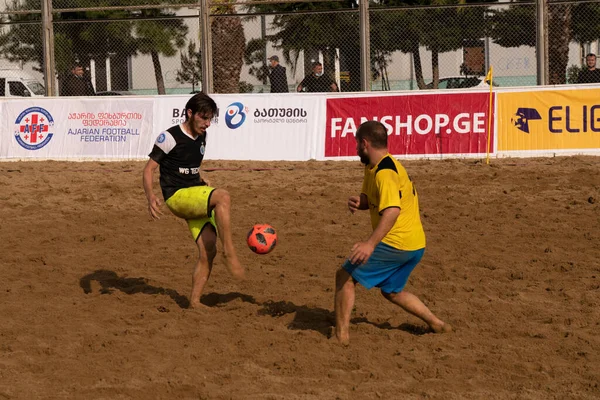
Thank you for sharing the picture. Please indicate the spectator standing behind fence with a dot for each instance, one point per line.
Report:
(591, 74)
(277, 76)
(317, 81)
(76, 84)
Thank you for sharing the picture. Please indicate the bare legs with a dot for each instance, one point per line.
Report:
(220, 204)
(207, 249)
(344, 302)
(411, 304)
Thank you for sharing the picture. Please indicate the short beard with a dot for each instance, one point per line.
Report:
(364, 159)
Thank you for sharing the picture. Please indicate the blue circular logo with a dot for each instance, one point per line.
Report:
(33, 128)
(202, 149)
(235, 115)
(161, 138)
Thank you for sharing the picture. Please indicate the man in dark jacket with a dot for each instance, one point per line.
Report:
(591, 74)
(317, 81)
(75, 84)
(277, 76)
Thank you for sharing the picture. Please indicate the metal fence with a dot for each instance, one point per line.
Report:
(140, 48)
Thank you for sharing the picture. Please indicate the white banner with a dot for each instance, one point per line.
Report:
(76, 128)
(261, 127)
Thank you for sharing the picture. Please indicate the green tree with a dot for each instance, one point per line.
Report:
(440, 30)
(113, 32)
(159, 36)
(585, 23)
(399, 30)
(191, 66)
(255, 57)
(22, 42)
(380, 60)
(515, 26)
(296, 33)
(573, 73)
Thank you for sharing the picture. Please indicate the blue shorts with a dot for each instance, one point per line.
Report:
(388, 268)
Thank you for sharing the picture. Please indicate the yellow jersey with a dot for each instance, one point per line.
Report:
(386, 185)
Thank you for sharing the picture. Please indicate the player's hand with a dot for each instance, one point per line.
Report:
(154, 207)
(361, 252)
(353, 203)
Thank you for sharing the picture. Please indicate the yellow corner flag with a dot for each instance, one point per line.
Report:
(489, 80)
(488, 77)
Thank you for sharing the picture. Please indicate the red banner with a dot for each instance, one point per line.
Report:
(455, 123)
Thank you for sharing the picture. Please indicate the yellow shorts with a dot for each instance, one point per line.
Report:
(191, 204)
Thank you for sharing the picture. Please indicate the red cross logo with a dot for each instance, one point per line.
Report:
(35, 130)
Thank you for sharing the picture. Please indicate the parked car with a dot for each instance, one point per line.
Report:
(18, 83)
(461, 82)
(115, 93)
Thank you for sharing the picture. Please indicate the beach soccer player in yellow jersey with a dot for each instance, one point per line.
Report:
(179, 151)
(393, 250)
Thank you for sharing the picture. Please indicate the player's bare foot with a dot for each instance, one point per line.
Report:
(235, 267)
(441, 328)
(196, 305)
(342, 336)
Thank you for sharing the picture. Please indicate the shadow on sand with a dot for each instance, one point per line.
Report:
(306, 318)
(110, 281)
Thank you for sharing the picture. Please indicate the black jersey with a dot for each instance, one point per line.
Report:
(312, 83)
(179, 157)
(587, 76)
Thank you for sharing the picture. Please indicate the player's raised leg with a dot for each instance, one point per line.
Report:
(207, 250)
(412, 304)
(220, 204)
(344, 301)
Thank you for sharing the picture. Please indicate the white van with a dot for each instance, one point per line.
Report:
(18, 83)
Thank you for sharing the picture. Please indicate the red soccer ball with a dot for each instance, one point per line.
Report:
(262, 238)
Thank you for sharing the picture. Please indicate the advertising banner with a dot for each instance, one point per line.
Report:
(69, 128)
(254, 127)
(419, 125)
(549, 120)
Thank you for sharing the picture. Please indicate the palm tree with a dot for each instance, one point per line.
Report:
(228, 46)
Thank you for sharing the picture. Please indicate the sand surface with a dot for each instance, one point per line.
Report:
(93, 295)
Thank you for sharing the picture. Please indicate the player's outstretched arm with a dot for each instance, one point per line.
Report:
(153, 200)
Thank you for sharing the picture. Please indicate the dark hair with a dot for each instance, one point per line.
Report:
(374, 132)
(590, 55)
(317, 64)
(201, 103)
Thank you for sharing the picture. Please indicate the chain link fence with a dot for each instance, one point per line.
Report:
(138, 47)
(459, 44)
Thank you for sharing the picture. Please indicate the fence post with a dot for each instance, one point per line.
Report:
(206, 46)
(542, 41)
(365, 47)
(263, 35)
(48, 45)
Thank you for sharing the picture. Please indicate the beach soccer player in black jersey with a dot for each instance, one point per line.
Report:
(179, 152)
